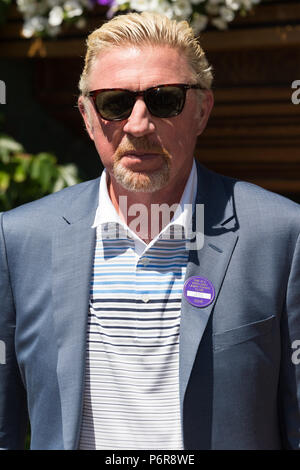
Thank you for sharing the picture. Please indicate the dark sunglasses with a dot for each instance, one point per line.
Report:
(163, 101)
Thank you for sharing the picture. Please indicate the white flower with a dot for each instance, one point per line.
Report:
(36, 24)
(233, 4)
(26, 5)
(199, 22)
(39, 23)
(159, 6)
(28, 30)
(164, 8)
(48, 15)
(182, 8)
(56, 16)
(226, 14)
(139, 5)
(32, 8)
(73, 8)
(219, 23)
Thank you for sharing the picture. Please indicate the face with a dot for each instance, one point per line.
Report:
(143, 152)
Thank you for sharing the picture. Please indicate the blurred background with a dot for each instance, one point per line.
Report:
(253, 133)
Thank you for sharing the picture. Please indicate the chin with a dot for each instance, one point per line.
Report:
(146, 182)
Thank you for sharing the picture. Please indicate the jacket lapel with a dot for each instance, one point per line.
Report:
(210, 262)
(73, 250)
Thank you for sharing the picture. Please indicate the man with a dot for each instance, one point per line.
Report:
(119, 333)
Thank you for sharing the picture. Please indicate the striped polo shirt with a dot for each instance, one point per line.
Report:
(131, 389)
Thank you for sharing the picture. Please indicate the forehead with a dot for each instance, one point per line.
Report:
(139, 67)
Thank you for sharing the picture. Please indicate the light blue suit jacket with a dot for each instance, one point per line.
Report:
(239, 387)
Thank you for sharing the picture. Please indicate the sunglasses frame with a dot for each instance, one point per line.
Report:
(94, 93)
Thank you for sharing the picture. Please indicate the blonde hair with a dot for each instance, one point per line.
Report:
(138, 29)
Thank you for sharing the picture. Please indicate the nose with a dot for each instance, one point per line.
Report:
(140, 121)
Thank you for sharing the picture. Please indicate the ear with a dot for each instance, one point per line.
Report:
(86, 114)
(206, 106)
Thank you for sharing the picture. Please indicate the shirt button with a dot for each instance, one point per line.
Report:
(145, 298)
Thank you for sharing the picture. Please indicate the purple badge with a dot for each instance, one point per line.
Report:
(199, 291)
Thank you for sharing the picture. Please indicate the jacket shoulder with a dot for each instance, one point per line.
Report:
(48, 208)
(266, 201)
(250, 203)
(261, 205)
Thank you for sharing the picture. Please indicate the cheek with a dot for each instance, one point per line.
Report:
(106, 130)
(180, 136)
(106, 138)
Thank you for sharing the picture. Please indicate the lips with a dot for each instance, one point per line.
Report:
(140, 153)
(141, 160)
(141, 156)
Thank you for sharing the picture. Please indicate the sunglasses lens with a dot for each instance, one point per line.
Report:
(166, 101)
(114, 105)
(162, 101)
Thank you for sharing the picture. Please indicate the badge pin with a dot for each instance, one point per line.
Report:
(199, 291)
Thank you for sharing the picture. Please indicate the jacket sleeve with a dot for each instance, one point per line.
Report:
(13, 408)
(289, 385)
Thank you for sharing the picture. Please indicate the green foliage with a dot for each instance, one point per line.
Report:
(25, 177)
(4, 5)
(28, 438)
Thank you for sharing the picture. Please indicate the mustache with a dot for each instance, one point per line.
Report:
(140, 143)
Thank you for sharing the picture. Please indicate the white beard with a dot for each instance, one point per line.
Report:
(147, 182)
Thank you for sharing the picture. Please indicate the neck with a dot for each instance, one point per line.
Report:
(140, 210)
